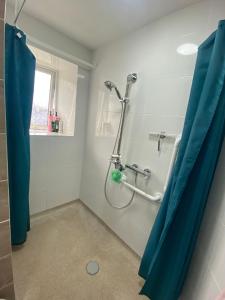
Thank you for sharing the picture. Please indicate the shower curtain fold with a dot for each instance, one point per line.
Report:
(19, 85)
(173, 237)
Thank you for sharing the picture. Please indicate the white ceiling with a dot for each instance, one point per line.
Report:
(96, 22)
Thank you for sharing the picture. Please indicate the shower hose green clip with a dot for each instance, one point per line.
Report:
(116, 175)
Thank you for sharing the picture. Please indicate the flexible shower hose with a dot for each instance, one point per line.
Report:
(107, 175)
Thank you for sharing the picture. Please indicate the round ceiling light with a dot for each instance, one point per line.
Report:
(187, 49)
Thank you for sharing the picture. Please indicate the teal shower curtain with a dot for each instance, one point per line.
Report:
(171, 244)
(19, 84)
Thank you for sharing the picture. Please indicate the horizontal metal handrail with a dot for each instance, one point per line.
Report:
(156, 198)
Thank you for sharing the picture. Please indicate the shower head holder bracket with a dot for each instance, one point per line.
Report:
(124, 100)
(116, 160)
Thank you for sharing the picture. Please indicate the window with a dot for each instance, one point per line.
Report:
(43, 99)
(54, 98)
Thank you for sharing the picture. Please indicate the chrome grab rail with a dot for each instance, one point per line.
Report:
(158, 196)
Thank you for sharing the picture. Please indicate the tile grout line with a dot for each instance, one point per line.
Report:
(6, 285)
(215, 281)
(4, 180)
(5, 221)
(5, 257)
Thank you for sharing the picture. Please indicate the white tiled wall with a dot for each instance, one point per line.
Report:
(158, 102)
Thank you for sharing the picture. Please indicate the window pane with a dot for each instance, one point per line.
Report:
(42, 89)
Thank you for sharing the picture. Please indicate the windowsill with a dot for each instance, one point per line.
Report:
(33, 133)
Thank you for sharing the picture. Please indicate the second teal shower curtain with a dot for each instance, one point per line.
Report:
(171, 244)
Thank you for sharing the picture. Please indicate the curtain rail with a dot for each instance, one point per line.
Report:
(19, 11)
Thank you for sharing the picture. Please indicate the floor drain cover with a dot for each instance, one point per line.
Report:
(92, 268)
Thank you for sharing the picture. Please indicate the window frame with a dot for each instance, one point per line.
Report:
(53, 85)
(52, 101)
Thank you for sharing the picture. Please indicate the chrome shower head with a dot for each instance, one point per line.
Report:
(110, 85)
(132, 78)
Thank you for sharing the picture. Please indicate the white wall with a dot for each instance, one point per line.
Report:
(56, 162)
(48, 35)
(159, 100)
(158, 103)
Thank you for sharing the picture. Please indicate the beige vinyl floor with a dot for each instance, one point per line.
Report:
(52, 263)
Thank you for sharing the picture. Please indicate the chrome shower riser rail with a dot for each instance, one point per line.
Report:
(116, 156)
(124, 107)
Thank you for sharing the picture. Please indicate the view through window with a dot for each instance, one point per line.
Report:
(42, 99)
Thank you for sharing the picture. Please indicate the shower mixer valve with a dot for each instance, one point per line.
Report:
(135, 168)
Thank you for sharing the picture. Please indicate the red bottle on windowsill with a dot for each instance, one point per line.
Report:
(50, 120)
